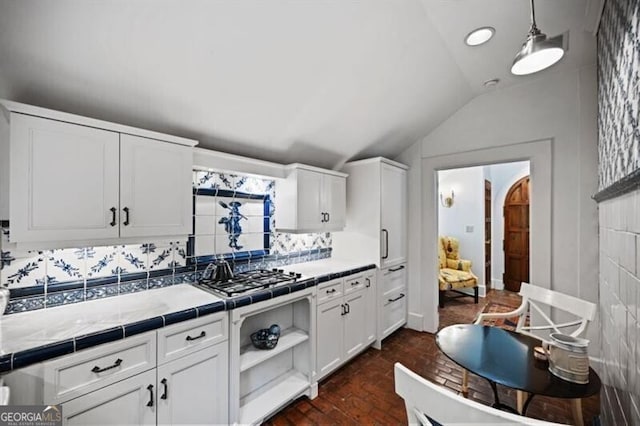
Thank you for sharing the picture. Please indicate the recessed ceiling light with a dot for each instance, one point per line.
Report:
(479, 36)
(491, 83)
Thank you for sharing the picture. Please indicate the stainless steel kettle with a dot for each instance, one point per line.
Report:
(223, 271)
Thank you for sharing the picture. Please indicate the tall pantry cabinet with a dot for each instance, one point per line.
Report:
(376, 231)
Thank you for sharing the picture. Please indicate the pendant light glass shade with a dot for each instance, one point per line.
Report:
(538, 52)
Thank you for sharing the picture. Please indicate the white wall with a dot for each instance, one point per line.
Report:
(503, 176)
(467, 211)
(559, 107)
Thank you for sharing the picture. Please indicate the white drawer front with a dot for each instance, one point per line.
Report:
(186, 337)
(393, 279)
(394, 311)
(354, 283)
(85, 371)
(331, 291)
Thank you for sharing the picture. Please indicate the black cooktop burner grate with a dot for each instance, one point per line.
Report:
(251, 281)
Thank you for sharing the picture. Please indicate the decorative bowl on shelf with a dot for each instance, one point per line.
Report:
(266, 338)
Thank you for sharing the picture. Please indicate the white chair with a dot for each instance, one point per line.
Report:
(532, 297)
(425, 400)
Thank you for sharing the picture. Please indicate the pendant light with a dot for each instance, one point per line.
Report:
(538, 52)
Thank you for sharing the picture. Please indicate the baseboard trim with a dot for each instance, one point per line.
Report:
(497, 284)
(414, 321)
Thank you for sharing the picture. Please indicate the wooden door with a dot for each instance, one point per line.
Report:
(516, 235)
(487, 234)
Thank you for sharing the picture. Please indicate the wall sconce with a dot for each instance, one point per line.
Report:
(447, 201)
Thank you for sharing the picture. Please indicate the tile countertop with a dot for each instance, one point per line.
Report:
(35, 336)
(323, 267)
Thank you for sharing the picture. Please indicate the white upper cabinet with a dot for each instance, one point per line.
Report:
(155, 188)
(376, 226)
(75, 179)
(311, 200)
(64, 181)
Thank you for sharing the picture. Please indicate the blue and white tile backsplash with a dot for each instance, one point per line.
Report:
(233, 219)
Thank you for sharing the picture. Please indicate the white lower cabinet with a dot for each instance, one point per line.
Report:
(190, 389)
(330, 342)
(392, 300)
(124, 382)
(129, 401)
(346, 320)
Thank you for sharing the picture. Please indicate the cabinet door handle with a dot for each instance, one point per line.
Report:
(150, 389)
(165, 394)
(200, 336)
(368, 282)
(113, 216)
(397, 298)
(97, 369)
(344, 311)
(126, 216)
(331, 291)
(396, 269)
(328, 217)
(386, 244)
(348, 308)
(324, 217)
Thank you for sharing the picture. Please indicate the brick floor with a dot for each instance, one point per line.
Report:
(362, 391)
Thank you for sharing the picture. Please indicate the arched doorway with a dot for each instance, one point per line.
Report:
(516, 235)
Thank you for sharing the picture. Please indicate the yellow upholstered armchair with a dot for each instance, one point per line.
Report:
(455, 273)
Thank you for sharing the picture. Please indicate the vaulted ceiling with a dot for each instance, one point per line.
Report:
(318, 82)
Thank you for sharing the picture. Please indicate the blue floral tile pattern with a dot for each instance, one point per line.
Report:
(135, 258)
(101, 261)
(65, 265)
(160, 258)
(25, 271)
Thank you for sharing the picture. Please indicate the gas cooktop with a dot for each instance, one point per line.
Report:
(250, 281)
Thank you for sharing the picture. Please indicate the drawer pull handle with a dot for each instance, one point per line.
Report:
(126, 216)
(396, 269)
(165, 394)
(97, 369)
(150, 389)
(200, 336)
(355, 283)
(113, 216)
(333, 290)
(397, 298)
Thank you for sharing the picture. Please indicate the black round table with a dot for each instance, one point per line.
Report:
(506, 358)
